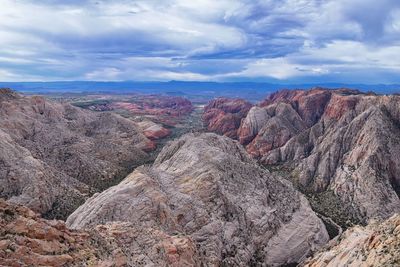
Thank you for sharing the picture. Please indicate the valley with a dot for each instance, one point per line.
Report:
(156, 180)
(233, 133)
(162, 118)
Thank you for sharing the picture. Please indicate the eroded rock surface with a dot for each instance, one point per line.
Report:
(206, 188)
(28, 240)
(343, 143)
(53, 155)
(223, 115)
(378, 244)
(153, 131)
(168, 110)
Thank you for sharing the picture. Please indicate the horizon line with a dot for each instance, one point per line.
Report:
(217, 82)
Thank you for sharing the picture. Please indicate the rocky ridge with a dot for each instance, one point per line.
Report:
(341, 143)
(55, 155)
(206, 188)
(223, 115)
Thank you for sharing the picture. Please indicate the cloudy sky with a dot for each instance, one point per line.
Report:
(201, 40)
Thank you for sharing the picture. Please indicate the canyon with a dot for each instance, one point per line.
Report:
(166, 110)
(303, 177)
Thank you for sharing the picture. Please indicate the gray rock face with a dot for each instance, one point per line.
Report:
(54, 155)
(207, 187)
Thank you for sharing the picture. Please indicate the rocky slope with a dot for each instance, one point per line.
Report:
(53, 155)
(378, 244)
(205, 188)
(223, 115)
(341, 146)
(28, 240)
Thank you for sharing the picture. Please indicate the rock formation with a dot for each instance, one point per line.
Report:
(29, 240)
(224, 115)
(378, 244)
(153, 131)
(167, 110)
(53, 156)
(341, 146)
(205, 201)
(206, 188)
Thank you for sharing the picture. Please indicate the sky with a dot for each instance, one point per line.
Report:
(287, 41)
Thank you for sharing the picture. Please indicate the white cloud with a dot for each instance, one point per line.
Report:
(144, 69)
(199, 40)
(181, 76)
(6, 75)
(351, 53)
(104, 74)
(278, 68)
(333, 58)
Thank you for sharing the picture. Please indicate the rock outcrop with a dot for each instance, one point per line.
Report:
(53, 155)
(341, 145)
(29, 240)
(153, 131)
(206, 188)
(378, 244)
(223, 115)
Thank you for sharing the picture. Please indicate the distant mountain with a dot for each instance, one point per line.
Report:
(252, 91)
